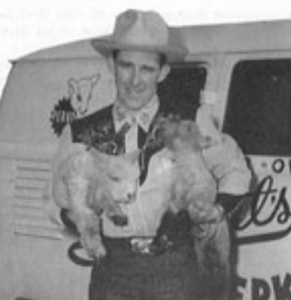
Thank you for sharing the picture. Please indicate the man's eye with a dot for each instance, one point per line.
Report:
(149, 69)
(124, 65)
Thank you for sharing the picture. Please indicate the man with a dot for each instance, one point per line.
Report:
(137, 266)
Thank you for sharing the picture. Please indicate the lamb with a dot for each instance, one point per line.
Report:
(89, 183)
(192, 182)
(193, 191)
(192, 185)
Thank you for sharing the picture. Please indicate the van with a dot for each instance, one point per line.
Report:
(240, 72)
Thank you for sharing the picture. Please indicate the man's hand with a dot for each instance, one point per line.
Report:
(203, 212)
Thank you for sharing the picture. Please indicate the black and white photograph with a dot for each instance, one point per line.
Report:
(145, 150)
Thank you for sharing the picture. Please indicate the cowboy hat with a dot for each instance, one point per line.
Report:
(140, 31)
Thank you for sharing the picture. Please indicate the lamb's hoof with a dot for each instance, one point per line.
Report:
(99, 252)
(119, 220)
(94, 247)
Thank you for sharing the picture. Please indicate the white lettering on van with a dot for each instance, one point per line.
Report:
(280, 166)
(269, 209)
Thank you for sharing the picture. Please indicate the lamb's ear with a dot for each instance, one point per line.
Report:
(133, 156)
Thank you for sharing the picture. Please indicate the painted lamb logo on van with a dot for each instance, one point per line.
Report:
(76, 104)
(80, 92)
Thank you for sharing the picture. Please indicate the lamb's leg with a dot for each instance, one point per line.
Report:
(212, 249)
(86, 220)
(174, 228)
(89, 227)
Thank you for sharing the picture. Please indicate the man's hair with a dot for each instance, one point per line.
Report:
(162, 57)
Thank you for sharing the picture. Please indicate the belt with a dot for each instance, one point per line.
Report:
(141, 245)
(137, 245)
(145, 246)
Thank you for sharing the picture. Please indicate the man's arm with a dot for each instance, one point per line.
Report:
(227, 164)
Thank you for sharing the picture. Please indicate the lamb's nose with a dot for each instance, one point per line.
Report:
(119, 220)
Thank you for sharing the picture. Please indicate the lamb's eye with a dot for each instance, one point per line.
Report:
(79, 98)
(113, 178)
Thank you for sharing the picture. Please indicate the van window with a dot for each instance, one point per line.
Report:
(258, 114)
(181, 90)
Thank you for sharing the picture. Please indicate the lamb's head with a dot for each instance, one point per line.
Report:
(119, 175)
(123, 174)
(181, 135)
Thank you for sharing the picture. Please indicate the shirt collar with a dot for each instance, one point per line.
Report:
(142, 117)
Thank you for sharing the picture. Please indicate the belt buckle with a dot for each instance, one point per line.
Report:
(141, 245)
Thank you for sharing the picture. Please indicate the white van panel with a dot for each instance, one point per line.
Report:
(34, 261)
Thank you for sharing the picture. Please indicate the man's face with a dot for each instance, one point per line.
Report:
(137, 75)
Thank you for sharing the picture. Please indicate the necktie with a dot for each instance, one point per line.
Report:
(120, 137)
(141, 137)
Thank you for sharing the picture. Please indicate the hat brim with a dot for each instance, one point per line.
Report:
(108, 46)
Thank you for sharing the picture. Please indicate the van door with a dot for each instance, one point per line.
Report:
(258, 116)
